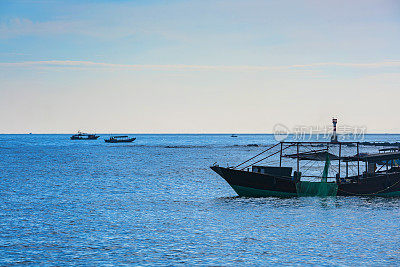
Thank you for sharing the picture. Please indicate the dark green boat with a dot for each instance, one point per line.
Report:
(120, 139)
(336, 170)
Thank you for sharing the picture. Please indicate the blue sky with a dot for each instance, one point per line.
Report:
(197, 66)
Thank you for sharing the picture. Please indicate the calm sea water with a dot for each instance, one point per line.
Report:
(156, 202)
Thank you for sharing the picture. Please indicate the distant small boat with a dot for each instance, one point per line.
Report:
(233, 135)
(84, 136)
(120, 139)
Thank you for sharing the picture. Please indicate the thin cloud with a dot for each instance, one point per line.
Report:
(21, 27)
(90, 64)
(389, 63)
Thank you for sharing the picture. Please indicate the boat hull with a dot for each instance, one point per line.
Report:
(120, 141)
(384, 185)
(84, 138)
(244, 191)
(252, 184)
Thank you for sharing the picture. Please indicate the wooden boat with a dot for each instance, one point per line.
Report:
(119, 139)
(84, 136)
(354, 173)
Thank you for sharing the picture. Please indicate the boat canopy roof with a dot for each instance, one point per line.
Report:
(313, 155)
(322, 156)
(83, 134)
(374, 158)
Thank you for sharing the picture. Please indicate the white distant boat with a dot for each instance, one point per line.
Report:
(84, 136)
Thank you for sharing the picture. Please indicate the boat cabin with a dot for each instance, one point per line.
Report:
(119, 137)
(281, 171)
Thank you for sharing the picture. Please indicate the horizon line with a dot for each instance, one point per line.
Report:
(68, 64)
(208, 133)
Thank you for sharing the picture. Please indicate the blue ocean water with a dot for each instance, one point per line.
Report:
(156, 202)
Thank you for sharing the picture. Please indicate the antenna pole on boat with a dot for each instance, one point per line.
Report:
(334, 138)
(358, 161)
(298, 161)
(280, 157)
(340, 156)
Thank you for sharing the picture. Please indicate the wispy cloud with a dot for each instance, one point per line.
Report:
(388, 63)
(91, 64)
(21, 26)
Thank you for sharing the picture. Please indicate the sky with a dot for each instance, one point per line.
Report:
(220, 66)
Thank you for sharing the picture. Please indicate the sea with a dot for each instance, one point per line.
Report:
(156, 202)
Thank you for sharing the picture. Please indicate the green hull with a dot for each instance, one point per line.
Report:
(390, 194)
(253, 184)
(251, 192)
(303, 189)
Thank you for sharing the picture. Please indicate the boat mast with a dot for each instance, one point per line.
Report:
(334, 135)
(298, 160)
(340, 156)
(358, 162)
(325, 173)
